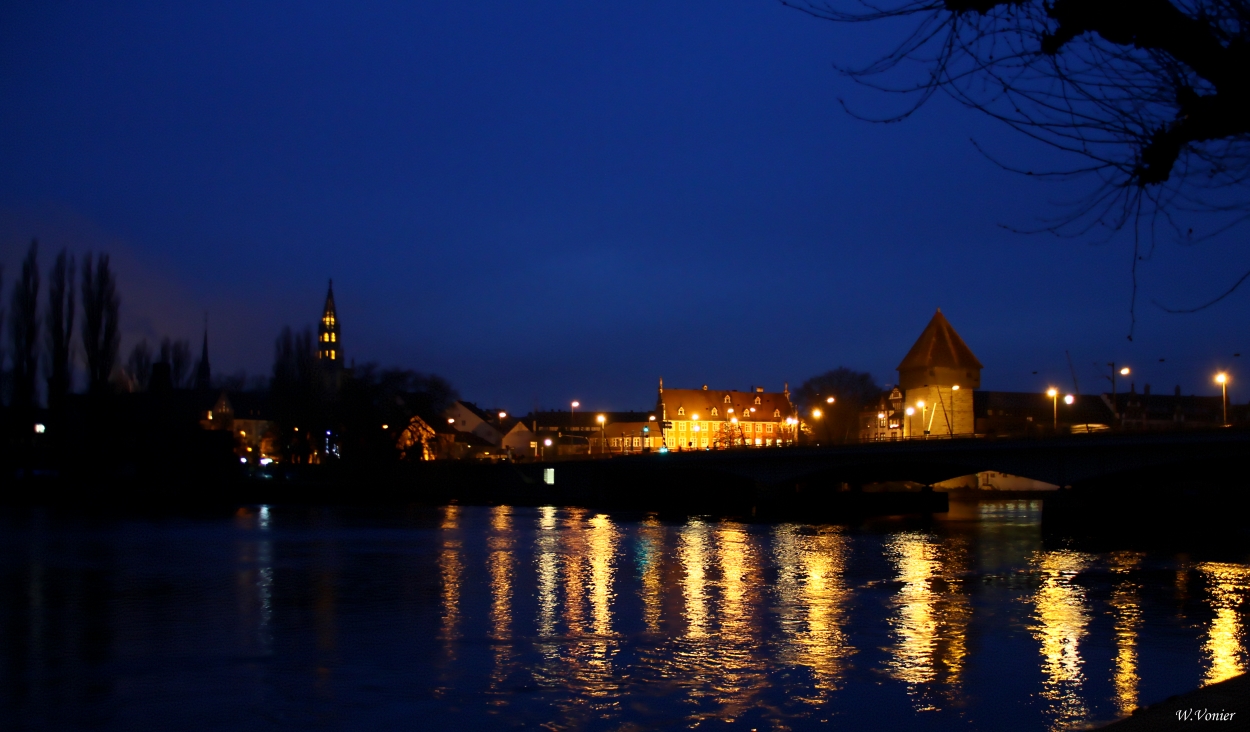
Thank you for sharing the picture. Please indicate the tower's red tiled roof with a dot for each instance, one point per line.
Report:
(939, 346)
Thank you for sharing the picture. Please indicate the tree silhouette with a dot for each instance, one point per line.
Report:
(139, 365)
(851, 391)
(100, 327)
(178, 355)
(1151, 94)
(60, 322)
(24, 330)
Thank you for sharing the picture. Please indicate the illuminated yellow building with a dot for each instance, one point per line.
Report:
(328, 346)
(699, 419)
(937, 377)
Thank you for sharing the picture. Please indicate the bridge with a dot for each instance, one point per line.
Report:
(1104, 470)
(1062, 461)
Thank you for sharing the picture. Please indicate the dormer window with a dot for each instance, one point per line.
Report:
(726, 398)
(757, 400)
(681, 411)
(714, 412)
(776, 412)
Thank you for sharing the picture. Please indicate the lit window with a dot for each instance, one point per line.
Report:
(334, 337)
(681, 411)
(714, 412)
(769, 428)
(776, 412)
(726, 398)
(757, 400)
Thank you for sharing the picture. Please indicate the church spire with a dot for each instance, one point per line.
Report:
(204, 374)
(328, 346)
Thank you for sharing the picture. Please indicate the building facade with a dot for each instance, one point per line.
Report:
(703, 419)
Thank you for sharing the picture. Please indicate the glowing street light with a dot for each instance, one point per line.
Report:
(603, 433)
(1069, 399)
(502, 415)
(1124, 371)
(1222, 379)
(910, 430)
(573, 413)
(816, 413)
(830, 400)
(1053, 393)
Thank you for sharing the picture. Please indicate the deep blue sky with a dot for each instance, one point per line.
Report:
(553, 200)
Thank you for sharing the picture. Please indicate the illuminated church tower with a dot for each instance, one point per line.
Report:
(328, 346)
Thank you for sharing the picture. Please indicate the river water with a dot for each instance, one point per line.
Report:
(474, 618)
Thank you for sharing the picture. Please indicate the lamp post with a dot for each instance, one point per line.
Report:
(910, 430)
(603, 433)
(1053, 393)
(1222, 379)
(817, 414)
(1115, 404)
(573, 413)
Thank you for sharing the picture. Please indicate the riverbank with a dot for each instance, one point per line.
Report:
(1224, 706)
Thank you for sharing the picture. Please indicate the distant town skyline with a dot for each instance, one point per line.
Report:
(557, 202)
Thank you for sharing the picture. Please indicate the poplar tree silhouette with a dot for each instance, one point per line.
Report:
(60, 322)
(100, 327)
(24, 330)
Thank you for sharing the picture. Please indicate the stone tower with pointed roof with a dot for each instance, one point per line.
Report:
(329, 348)
(937, 377)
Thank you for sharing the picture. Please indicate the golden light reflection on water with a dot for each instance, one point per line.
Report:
(499, 563)
(1126, 609)
(1061, 617)
(548, 568)
(932, 613)
(451, 572)
(651, 568)
(740, 673)
(1223, 649)
(602, 542)
(813, 603)
(692, 550)
(573, 566)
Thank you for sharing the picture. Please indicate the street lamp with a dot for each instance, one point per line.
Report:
(1069, 399)
(910, 430)
(830, 400)
(573, 414)
(1115, 404)
(1222, 379)
(1053, 393)
(603, 433)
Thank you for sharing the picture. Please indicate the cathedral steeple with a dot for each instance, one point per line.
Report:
(204, 374)
(328, 346)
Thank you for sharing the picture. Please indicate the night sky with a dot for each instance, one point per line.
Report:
(544, 201)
